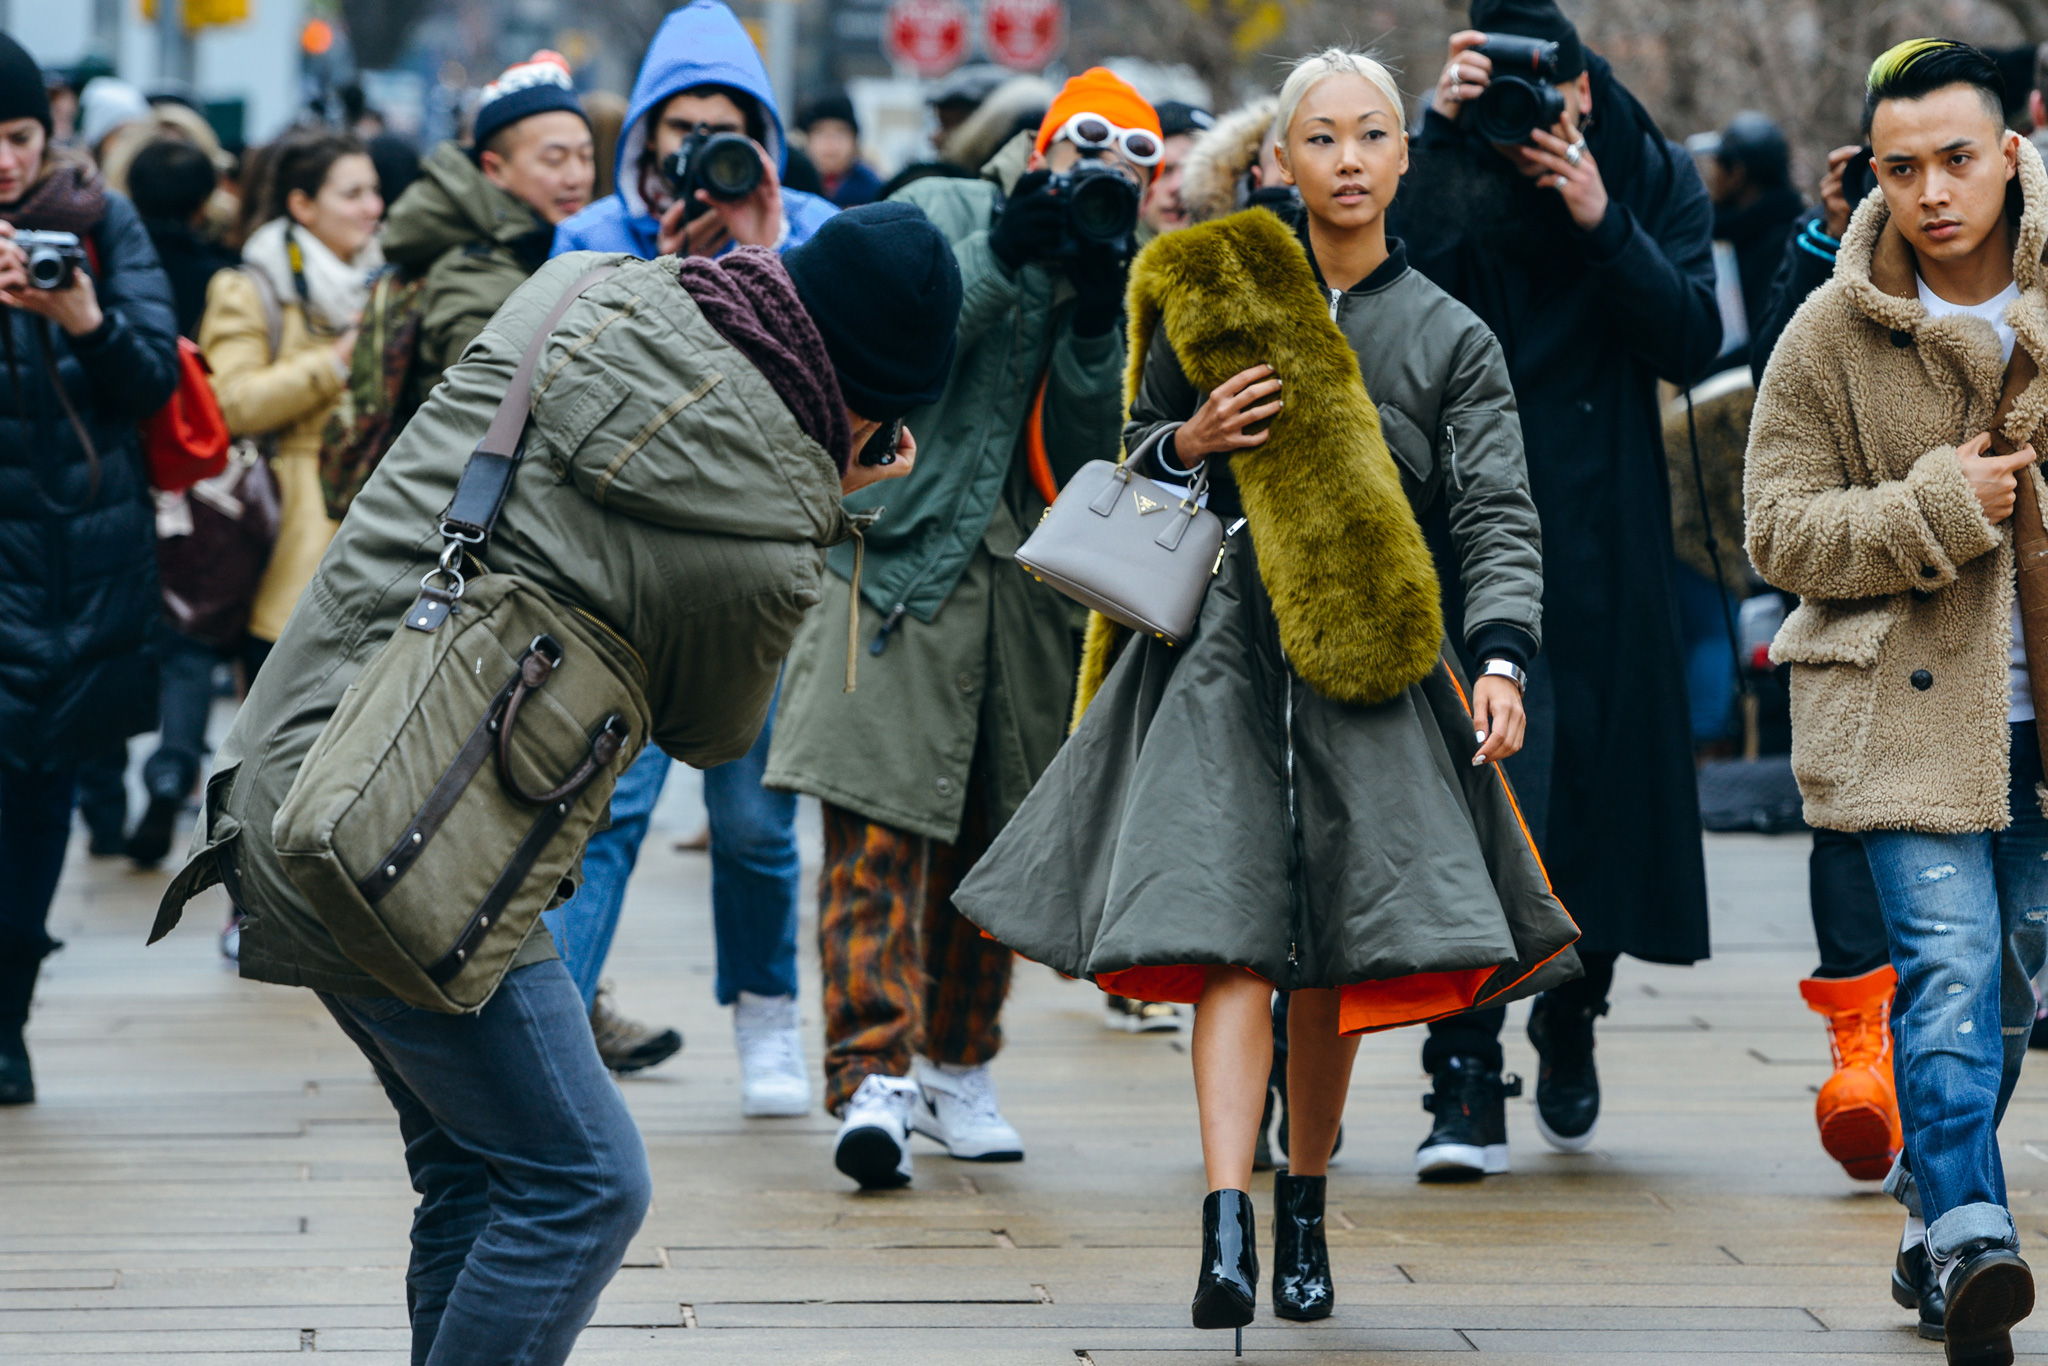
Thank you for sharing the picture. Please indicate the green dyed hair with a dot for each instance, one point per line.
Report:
(1918, 67)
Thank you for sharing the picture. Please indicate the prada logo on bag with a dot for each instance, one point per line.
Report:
(1145, 504)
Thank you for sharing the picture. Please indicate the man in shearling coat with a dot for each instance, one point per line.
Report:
(1873, 491)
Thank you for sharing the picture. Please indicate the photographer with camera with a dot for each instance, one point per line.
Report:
(1542, 195)
(771, 371)
(699, 168)
(88, 348)
(967, 676)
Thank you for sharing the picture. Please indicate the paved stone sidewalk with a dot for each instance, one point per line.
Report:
(213, 1176)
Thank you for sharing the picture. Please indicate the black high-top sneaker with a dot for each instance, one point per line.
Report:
(1567, 1084)
(17, 988)
(1470, 1137)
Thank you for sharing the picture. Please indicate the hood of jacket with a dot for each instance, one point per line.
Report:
(699, 44)
(454, 204)
(1879, 279)
(1215, 167)
(1343, 559)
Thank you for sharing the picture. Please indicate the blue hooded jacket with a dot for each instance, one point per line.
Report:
(700, 44)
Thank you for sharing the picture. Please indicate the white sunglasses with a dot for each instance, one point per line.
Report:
(1094, 133)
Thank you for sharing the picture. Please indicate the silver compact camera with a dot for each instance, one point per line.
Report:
(53, 257)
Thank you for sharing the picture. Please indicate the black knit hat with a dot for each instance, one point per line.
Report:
(539, 85)
(883, 287)
(1534, 19)
(23, 92)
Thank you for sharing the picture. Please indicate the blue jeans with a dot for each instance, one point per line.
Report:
(754, 869)
(184, 700)
(532, 1177)
(1709, 663)
(1967, 920)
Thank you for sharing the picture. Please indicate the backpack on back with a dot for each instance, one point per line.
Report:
(374, 407)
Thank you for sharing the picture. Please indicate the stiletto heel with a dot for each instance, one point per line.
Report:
(1301, 1257)
(1226, 1294)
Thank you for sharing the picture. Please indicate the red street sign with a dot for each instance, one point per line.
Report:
(928, 36)
(1023, 35)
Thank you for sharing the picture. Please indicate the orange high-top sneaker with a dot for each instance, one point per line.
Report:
(1858, 1109)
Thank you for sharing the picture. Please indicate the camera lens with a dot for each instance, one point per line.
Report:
(1104, 207)
(45, 269)
(731, 167)
(1510, 107)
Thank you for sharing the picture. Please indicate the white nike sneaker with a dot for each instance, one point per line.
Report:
(957, 1107)
(773, 1081)
(873, 1146)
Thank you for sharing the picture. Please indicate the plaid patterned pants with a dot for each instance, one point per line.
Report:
(904, 972)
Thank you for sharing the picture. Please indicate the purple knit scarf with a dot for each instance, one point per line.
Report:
(747, 297)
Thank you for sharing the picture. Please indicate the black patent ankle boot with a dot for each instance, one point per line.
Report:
(1301, 1259)
(17, 987)
(1226, 1295)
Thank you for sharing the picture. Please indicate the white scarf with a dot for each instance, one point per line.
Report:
(335, 289)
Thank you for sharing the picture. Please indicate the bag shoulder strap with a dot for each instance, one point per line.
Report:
(273, 311)
(487, 476)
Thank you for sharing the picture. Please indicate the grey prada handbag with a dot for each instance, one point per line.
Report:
(1127, 547)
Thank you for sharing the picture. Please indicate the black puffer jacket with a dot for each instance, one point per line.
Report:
(78, 587)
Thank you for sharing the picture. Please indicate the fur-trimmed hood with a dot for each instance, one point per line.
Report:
(1341, 555)
(1878, 279)
(1212, 174)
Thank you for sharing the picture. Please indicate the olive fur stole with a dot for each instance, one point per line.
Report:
(1342, 557)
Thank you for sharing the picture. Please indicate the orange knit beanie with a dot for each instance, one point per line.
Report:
(1098, 90)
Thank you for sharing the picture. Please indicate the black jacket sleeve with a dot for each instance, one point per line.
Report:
(1660, 284)
(1803, 270)
(131, 359)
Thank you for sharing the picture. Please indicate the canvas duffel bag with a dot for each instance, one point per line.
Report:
(447, 801)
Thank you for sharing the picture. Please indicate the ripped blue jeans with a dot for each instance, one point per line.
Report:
(1967, 920)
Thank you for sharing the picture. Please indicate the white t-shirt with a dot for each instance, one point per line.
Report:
(2020, 702)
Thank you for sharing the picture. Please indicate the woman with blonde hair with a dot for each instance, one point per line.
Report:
(1305, 796)
(278, 334)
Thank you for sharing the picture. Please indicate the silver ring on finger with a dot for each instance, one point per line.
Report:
(1575, 153)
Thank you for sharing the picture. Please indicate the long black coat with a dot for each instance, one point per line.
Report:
(1588, 322)
(78, 589)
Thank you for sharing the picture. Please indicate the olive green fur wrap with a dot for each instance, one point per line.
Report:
(1353, 587)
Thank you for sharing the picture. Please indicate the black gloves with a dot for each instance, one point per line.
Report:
(1030, 224)
(1097, 271)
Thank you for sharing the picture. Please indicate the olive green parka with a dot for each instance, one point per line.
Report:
(966, 662)
(666, 491)
(473, 242)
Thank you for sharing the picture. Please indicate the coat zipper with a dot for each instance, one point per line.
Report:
(1335, 295)
(1451, 440)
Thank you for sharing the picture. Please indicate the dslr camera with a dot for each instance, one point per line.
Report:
(724, 165)
(53, 257)
(1522, 94)
(1102, 206)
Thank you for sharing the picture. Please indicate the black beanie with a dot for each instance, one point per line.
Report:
(23, 94)
(1534, 19)
(881, 283)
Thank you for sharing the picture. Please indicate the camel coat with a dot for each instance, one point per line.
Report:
(288, 396)
(1855, 501)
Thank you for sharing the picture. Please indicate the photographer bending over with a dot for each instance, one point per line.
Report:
(531, 1175)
